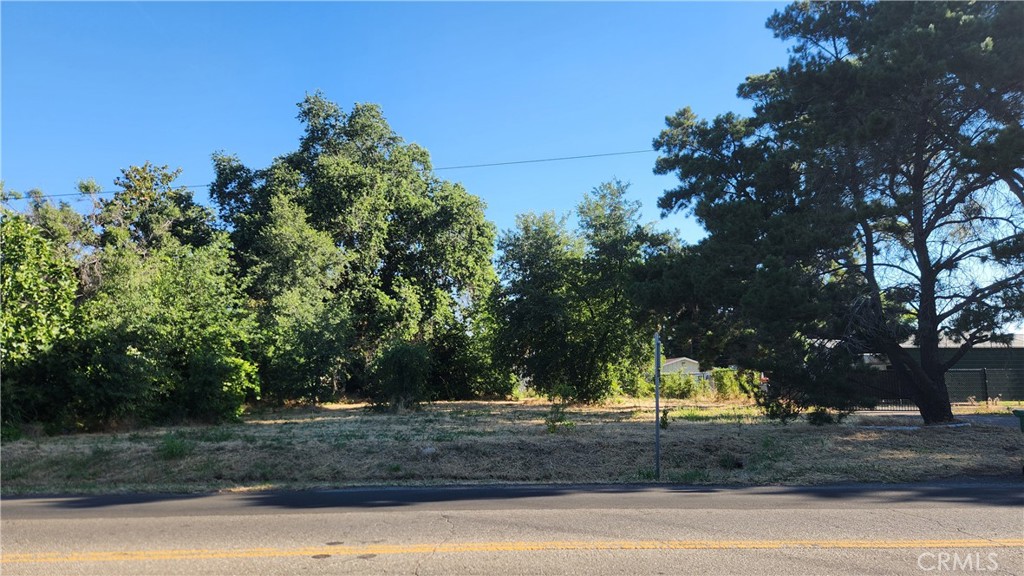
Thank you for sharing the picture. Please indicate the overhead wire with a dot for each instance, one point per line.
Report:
(543, 160)
(86, 195)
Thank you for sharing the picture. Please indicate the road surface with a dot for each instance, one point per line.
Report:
(877, 529)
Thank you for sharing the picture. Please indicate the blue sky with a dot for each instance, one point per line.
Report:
(90, 88)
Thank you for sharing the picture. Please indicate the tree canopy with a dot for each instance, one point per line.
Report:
(567, 318)
(351, 245)
(343, 267)
(874, 196)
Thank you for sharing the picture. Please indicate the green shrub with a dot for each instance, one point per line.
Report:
(399, 376)
(173, 447)
(823, 416)
(37, 320)
(303, 351)
(216, 386)
(10, 432)
(557, 418)
(163, 340)
(726, 383)
(731, 384)
(638, 387)
(678, 385)
(461, 362)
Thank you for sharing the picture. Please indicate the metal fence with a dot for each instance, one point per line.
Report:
(965, 387)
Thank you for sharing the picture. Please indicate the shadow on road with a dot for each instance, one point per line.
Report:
(405, 496)
(104, 500)
(991, 494)
(1005, 493)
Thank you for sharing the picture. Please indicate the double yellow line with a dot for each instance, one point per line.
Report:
(486, 547)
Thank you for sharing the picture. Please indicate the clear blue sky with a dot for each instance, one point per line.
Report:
(90, 88)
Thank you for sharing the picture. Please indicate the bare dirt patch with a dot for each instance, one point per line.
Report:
(499, 442)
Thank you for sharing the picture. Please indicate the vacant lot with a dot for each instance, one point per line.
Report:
(503, 442)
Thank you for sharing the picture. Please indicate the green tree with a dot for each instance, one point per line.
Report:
(536, 306)
(399, 376)
(874, 195)
(409, 253)
(148, 211)
(69, 231)
(618, 332)
(160, 331)
(566, 309)
(37, 292)
(305, 335)
(164, 339)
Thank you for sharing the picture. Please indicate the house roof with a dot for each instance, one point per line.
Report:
(679, 360)
(1016, 341)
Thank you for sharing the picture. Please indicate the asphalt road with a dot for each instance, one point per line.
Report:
(878, 529)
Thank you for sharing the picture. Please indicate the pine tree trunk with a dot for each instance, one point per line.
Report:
(931, 394)
(932, 398)
(934, 406)
(929, 386)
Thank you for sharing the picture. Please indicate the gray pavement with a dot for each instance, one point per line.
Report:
(857, 529)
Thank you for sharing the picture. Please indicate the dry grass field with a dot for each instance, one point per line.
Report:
(503, 442)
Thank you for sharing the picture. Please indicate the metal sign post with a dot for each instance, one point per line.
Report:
(657, 406)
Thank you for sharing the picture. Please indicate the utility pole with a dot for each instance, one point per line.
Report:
(657, 406)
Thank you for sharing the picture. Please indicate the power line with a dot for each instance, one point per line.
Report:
(543, 160)
(85, 195)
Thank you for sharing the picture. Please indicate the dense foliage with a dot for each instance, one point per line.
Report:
(350, 248)
(344, 267)
(37, 292)
(567, 320)
(874, 196)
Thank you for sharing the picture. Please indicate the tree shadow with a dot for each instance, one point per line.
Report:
(1000, 493)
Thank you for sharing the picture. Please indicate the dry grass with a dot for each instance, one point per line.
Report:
(499, 442)
(992, 407)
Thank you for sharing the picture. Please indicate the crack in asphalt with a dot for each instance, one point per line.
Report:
(1002, 569)
(451, 534)
(941, 524)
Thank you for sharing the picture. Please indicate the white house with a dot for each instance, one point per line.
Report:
(681, 365)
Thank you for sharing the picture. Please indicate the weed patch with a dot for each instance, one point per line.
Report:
(172, 447)
(557, 419)
(728, 414)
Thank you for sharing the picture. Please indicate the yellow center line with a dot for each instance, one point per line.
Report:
(469, 547)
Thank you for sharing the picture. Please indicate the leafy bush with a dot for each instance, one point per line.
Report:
(726, 383)
(677, 385)
(557, 418)
(731, 384)
(37, 291)
(461, 362)
(823, 417)
(638, 387)
(217, 386)
(173, 447)
(776, 406)
(164, 340)
(399, 376)
(832, 387)
(304, 349)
